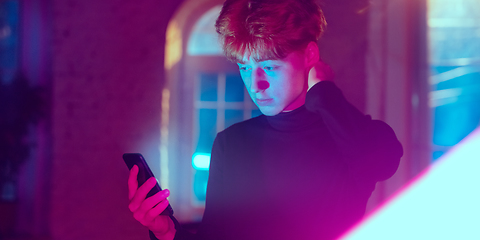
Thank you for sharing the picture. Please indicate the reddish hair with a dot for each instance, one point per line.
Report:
(268, 29)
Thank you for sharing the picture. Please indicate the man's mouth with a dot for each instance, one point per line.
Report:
(263, 101)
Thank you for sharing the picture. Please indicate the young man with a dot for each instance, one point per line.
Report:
(306, 167)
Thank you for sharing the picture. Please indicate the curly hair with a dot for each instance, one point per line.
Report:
(268, 29)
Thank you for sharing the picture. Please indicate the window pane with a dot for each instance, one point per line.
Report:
(204, 38)
(234, 88)
(9, 17)
(256, 113)
(454, 35)
(208, 129)
(208, 87)
(233, 116)
(200, 184)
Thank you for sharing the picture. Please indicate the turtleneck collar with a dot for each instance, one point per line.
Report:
(294, 120)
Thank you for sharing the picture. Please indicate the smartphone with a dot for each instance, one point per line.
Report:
(144, 173)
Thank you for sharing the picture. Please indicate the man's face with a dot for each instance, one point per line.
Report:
(276, 85)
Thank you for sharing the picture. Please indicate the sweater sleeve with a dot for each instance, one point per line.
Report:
(370, 147)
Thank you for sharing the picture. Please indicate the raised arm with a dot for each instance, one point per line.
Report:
(370, 146)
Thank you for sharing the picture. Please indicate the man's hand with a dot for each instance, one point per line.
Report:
(320, 72)
(147, 211)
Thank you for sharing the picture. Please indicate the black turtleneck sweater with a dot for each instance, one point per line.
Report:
(304, 174)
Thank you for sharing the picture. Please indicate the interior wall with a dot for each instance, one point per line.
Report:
(344, 46)
(35, 63)
(107, 83)
(397, 91)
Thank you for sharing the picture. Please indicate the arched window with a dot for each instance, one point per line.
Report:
(220, 99)
(206, 95)
(203, 39)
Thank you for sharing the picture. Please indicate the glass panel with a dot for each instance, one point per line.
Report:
(200, 184)
(256, 113)
(9, 12)
(457, 117)
(234, 91)
(204, 38)
(208, 86)
(208, 130)
(233, 116)
(454, 35)
(249, 100)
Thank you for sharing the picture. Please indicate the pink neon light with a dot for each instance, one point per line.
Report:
(443, 202)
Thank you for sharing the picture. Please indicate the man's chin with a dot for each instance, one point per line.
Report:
(267, 111)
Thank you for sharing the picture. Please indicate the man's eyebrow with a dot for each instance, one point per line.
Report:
(263, 59)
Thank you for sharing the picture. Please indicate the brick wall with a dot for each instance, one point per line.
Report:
(107, 81)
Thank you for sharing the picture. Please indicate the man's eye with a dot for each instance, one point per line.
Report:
(269, 68)
(243, 68)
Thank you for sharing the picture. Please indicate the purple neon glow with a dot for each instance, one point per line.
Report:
(442, 203)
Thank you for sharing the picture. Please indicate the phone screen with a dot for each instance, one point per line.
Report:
(144, 173)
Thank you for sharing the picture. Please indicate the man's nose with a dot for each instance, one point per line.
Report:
(259, 81)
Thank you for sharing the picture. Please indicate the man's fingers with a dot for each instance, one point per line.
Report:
(156, 205)
(150, 202)
(152, 207)
(141, 194)
(132, 182)
(156, 211)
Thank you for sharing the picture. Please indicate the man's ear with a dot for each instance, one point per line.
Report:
(312, 55)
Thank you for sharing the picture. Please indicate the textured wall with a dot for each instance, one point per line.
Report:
(107, 81)
(344, 46)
